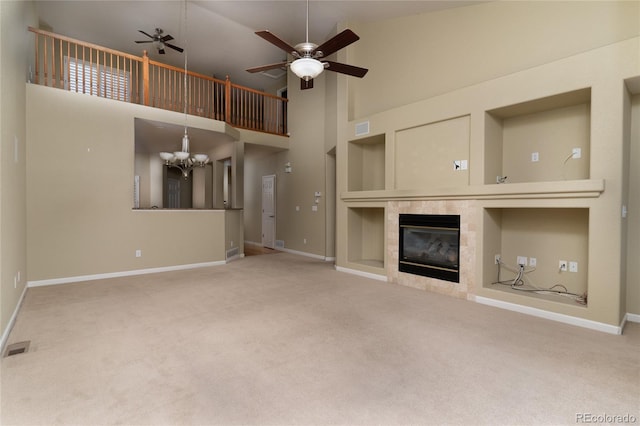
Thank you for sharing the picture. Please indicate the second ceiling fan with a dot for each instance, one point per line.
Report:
(160, 41)
(308, 60)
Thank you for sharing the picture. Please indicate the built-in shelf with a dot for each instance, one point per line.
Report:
(366, 159)
(366, 243)
(549, 235)
(542, 140)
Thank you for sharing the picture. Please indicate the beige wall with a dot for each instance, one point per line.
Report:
(79, 207)
(295, 219)
(234, 230)
(307, 157)
(563, 49)
(425, 154)
(552, 134)
(421, 56)
(14, 50)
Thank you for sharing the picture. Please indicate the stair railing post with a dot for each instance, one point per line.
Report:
(227, 100)
(145, 77)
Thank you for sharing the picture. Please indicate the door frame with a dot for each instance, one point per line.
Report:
(262, 213)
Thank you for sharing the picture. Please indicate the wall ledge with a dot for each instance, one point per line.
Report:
(588, 188)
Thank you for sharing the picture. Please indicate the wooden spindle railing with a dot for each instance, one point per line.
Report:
(73, 65)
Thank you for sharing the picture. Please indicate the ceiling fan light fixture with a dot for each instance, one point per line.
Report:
(307, 68)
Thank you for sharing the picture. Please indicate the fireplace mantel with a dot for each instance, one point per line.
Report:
(587, 188)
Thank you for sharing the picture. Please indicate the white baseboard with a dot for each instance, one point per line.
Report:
(300, 253)
(79, 278)
(633, 317)
(12, 320)
(362, 273)
(541, 313)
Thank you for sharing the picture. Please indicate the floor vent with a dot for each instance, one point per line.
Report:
(233, 252)
(279, 243)
(17, 348)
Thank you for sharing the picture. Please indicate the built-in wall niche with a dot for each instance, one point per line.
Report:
(543, 140)
(366, 159)
(366, 237)
(549, 235)
(433, 155)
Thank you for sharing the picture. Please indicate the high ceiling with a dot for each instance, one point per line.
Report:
(220, 37)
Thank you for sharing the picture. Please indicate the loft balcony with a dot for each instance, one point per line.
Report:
(73, 65)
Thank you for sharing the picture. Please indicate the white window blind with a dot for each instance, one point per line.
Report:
(95, 79)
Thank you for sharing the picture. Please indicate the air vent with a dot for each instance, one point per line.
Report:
(233, 252)
(279, 243)
(362, 128)
(17, 348)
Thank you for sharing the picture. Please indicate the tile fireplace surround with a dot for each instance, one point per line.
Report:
(468, 217)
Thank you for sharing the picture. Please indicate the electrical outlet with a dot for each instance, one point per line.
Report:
(231, 243)
(562, 266)
(535, 157)
(573, 266)
(533, 262)
(304, 241)
(496, 259)
(522, 260)
(576, 153)
(138, 253)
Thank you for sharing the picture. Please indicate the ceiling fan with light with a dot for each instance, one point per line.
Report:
(308, 62)
(160, 41)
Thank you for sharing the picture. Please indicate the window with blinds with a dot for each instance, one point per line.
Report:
(98, 80)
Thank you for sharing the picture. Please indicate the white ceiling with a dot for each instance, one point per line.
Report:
(220, 37)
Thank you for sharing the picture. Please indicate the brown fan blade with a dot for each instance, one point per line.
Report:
(167, 38)
(144, 41)
(148, 35)
(336, 43)
(306, 84)
(161, 51)
(179, 49)
(346, 69)
(276, 41)
(268, 67)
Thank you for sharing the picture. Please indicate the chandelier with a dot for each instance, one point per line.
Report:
(183, 159)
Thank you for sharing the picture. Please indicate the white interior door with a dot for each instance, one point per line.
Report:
(269, 211)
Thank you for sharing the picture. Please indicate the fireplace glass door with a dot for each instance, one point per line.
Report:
(430, 246)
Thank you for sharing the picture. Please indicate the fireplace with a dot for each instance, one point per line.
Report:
(430, 246)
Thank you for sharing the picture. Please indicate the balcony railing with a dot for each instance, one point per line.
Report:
(77, 66)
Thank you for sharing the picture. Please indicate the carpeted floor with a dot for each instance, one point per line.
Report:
(283, 339)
